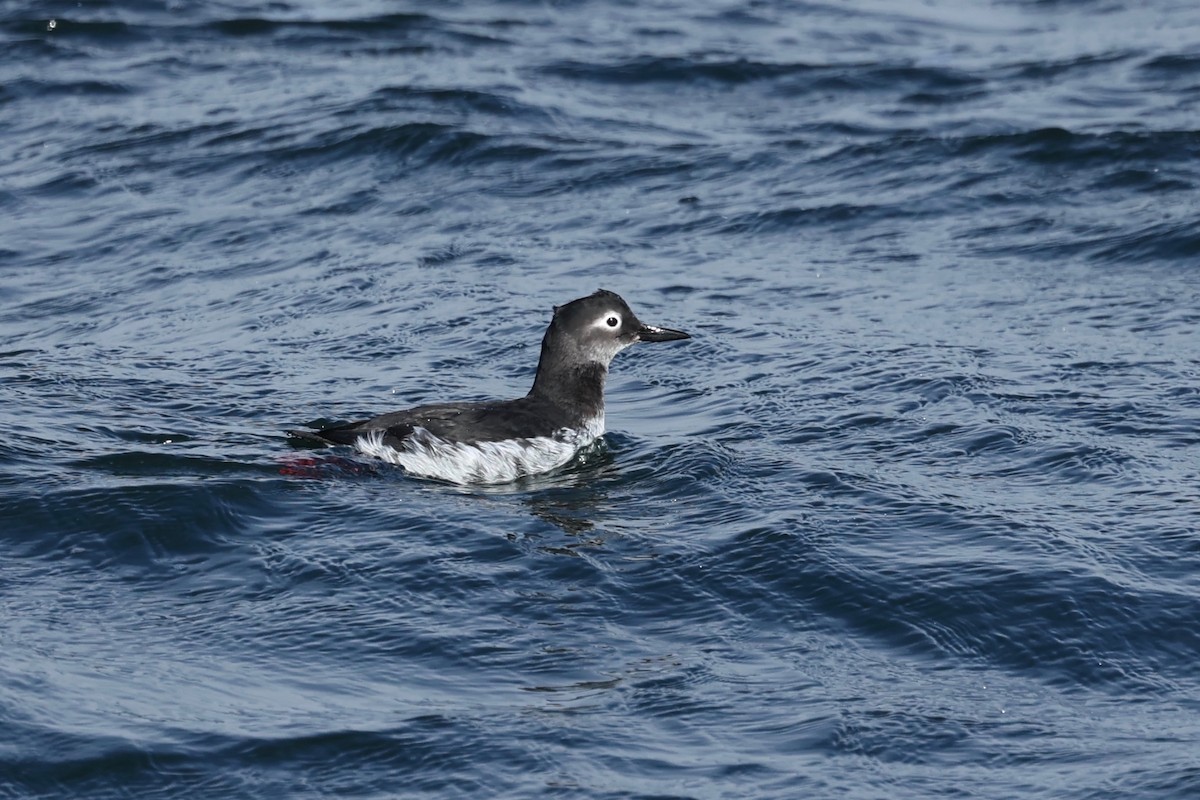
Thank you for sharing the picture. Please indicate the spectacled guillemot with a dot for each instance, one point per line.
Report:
(500, 441)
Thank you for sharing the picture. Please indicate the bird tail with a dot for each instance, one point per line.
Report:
(335, 434)
(309, 438)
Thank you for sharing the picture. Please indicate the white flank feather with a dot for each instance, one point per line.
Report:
(482, 462)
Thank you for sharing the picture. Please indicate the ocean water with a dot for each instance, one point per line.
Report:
(913, 515)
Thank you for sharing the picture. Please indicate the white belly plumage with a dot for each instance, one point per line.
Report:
(482, 462)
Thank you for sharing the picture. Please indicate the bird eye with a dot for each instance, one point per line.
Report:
(613, 322)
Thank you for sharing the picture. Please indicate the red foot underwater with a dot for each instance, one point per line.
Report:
(324, 467)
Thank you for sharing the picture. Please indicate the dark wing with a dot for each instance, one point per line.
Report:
(455, 422)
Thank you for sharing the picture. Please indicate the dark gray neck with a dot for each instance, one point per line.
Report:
(576, 388)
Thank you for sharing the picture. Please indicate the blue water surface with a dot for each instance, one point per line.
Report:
(913, 515)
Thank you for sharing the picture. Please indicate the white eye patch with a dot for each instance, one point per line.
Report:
(610, 321)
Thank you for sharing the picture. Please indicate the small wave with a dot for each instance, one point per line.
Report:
(43, 89)
(422, 143)
(383, 25)
(658, 69)
(1174, 64)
